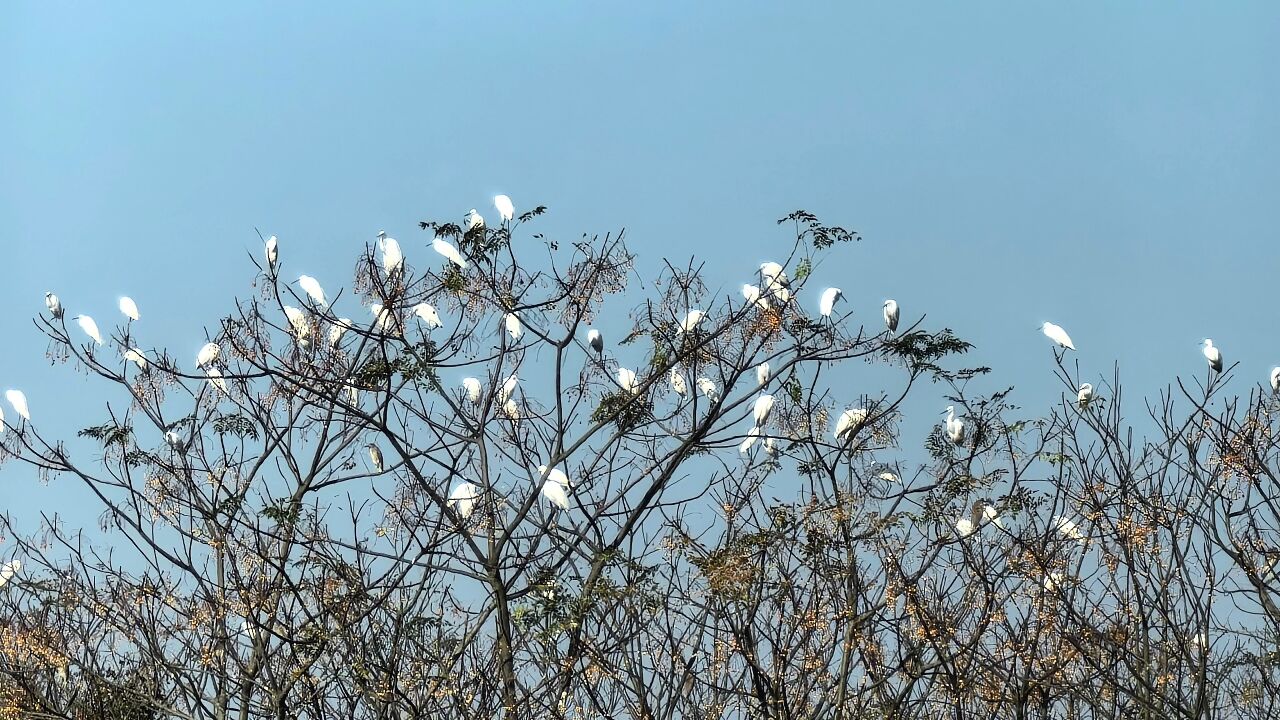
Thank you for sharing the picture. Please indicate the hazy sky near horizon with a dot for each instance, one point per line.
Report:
(1112, 168)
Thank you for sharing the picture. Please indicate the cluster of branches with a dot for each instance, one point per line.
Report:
(254, 560)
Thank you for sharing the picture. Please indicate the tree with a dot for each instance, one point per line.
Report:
(323, 522)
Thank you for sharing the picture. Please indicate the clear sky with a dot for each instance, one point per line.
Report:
(1112, 167)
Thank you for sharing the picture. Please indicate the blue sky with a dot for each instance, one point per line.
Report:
(1113, 168)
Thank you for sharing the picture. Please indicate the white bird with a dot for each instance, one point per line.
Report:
(966, 526)
(555, 493)
(392, 257)
(1053, 579)
(891, 315)
(209, 353)
(678, 383)
(272, 251)
(1275, 379)
(772, 276)
(595, 340)
(463, 499)
(472, 387)
(353, 396)
(173, 440)
(129, 308)
(555, 475)
(300, 324)
(954, 426)
(52, 302)
(752, 435)
(1058, 335)
(216, 380)
(312, 287)
(428, 315)
(18, 400)
(508, 387)
(1213, 355)
(382, 316)
(708, 388)
(889, 477)
(849, 422)
(450, 253)
(1069, 529)
(692, 321)
(89, 327)
(375, 456)
(1085, 395)
(991, 515)
(514, 329)
(505, 209)
(337, 330)
(771, 446)
(752, 295)
(627, 379)
(474, 220)
(763, 408)
(511, 409)
(828, 301)
(9, 570)
(762, 373)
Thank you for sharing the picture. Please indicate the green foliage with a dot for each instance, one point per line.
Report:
(922, 350)
(237, 425)
(454, 281)
(803, 268)
(795, 390)
(823, 236)
(627, 411)
(108, 434)
(282, 513)
(416, 364)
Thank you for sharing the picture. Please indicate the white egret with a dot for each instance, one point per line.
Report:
(375, 456)
(708, 388)
(272, 251)
(771, 446)
(1069, 529)
(889, 477)
(828, 300)
(966, 526)
(52, 302)
(555, 493)
(474, 220)
(463, 499)
(752, 435)
(1275, 379)
(891, 315)
(129, 308)
(1053, 580)
(173, 440)
(353, 396)
(216, 380)
(849, 422)
(382, 316)
(18, 400)
(9, 569)
(753, 297)
(763, 408)
(772, 276)
(312, 288)
(89, 327)
(762, 373)
(627, 380)
(472, 387)
(392, 257)
(1213, 355)
(1058, 335)
(208, 354)
(428, 315)
(1085, 395)
(692, 321)
(595, 340)
(678, 383)
(337, 330)
(506, 210)
(511, 409)
(512, 323)
(300, 324)
(450, 253)
(991, 515)
(555, 475)
(508, 387)
(954, 426)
